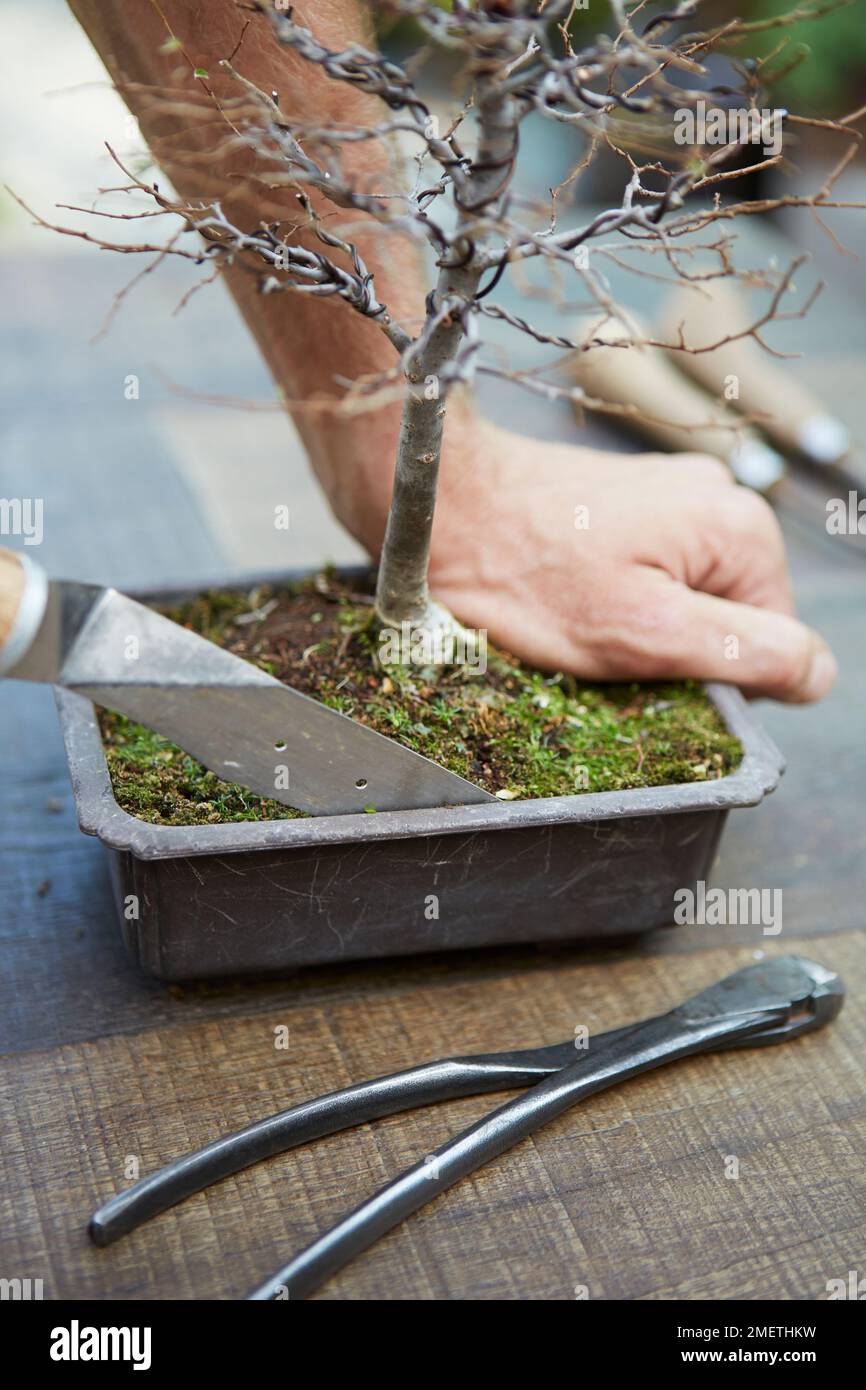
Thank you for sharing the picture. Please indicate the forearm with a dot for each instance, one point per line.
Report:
(306, 340)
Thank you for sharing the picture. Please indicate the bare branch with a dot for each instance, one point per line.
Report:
(623, 89)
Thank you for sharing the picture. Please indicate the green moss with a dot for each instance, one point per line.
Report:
(156, 781)
(515, 731)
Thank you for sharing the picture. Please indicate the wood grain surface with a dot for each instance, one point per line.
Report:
(626, 1196)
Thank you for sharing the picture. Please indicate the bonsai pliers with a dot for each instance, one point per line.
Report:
(778, 999)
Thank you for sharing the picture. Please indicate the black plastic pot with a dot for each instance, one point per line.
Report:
(255, 897)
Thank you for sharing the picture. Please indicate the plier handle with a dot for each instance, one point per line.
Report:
(779, 999)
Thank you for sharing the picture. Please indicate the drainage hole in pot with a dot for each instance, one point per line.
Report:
(281, 746)
(361, 783)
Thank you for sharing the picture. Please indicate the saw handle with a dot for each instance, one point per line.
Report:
(13, 581)
(670, 410)
(24, 595)
(794, 419)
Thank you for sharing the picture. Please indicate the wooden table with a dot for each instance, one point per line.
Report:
(104, 1073)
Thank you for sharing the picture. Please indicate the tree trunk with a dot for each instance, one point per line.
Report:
(402, 594)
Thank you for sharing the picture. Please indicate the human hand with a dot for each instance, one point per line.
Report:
(672, 571)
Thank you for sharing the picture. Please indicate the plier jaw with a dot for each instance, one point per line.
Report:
(813, 996)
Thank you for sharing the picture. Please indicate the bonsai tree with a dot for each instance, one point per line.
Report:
(627, 91)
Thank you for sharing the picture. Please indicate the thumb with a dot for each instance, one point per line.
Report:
(763, 652)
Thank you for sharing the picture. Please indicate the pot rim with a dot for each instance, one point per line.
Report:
(100, 814)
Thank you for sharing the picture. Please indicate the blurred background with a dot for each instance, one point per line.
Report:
(172, 483)
(154, 483)
(160, 486)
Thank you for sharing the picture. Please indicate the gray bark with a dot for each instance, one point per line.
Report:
(402, 594)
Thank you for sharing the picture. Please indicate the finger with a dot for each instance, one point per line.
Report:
(764, 652)
(740, 552)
